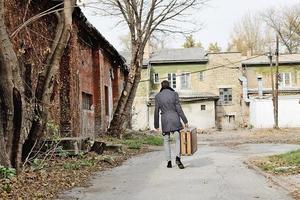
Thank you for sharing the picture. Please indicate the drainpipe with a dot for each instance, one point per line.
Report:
(260, 87)
(243, 79)
(147, 96)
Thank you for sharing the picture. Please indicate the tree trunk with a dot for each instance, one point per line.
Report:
(124, 107)
(47, 77)
(12, 98)
(15, 111)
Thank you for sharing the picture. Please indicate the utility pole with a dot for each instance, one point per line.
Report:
(276, 83)
(270, 56)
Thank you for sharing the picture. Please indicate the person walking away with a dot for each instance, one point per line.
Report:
(167, 101)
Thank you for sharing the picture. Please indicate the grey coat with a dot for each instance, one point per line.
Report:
(167, 101)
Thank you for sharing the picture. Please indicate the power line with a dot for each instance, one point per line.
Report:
(216, 67)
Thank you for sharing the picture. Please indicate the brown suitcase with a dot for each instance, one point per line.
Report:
(188, 141)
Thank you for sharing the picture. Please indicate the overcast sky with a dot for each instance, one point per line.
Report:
(218, 19)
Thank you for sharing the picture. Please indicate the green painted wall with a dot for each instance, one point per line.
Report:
(265, 72)
(142, 88)
(164, 69)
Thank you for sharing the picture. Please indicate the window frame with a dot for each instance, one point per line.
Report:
(187, 80)
(154, 78)
(282, 79)
(87, 101)
(203, 107)
(225, 100)
(172, 78)
(201, 76)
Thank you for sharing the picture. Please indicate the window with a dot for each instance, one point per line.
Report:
(155, 78)
(230, 118)
(185, 80)
(285, 79)
(87, 101)
(106, 101)
(201, 76)
(225, 96)
(172, 80)
(203, 107)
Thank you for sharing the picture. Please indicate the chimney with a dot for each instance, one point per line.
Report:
(260, 86)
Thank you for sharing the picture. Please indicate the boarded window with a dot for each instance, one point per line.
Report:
(87, 101)
(172, 80)
(106, 101)
(225, 96)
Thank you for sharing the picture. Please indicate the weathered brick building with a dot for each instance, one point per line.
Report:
(92, 82)
(91, 75)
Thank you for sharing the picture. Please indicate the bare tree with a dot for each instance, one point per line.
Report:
(24, 116)
(247, 36)
(143, 18)
(286, 24)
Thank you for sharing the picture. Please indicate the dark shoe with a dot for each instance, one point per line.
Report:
(179, 163)
(169, 164)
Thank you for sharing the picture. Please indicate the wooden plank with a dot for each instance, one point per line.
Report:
(189, 144)
(183, 143)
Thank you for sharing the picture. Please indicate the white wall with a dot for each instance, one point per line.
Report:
(261, 112)
(140, 114)
(202, 119)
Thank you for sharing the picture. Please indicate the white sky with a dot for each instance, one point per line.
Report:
(218, 19)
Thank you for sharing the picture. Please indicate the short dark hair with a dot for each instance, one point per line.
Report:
(165, 84)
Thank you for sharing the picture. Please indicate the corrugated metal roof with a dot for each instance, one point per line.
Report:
(179, 55)
(283, 59)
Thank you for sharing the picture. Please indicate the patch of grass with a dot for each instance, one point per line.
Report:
(132, 143)
(78, 164)
(136, 142)
(153, 140)
(288, 163)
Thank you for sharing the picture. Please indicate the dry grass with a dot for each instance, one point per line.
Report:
(62, 173)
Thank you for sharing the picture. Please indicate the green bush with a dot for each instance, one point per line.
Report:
(6, 172)
(37, 164)
(61, 152)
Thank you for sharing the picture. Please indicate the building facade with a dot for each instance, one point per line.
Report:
(91, 73)
(257, 72)
(221, 90)
(185, 70)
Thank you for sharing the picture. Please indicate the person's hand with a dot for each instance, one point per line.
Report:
(186, 125)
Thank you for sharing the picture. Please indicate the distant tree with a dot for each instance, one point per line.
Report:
(247, 36)
(286, 24)
(214, 48)
(190, 42)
